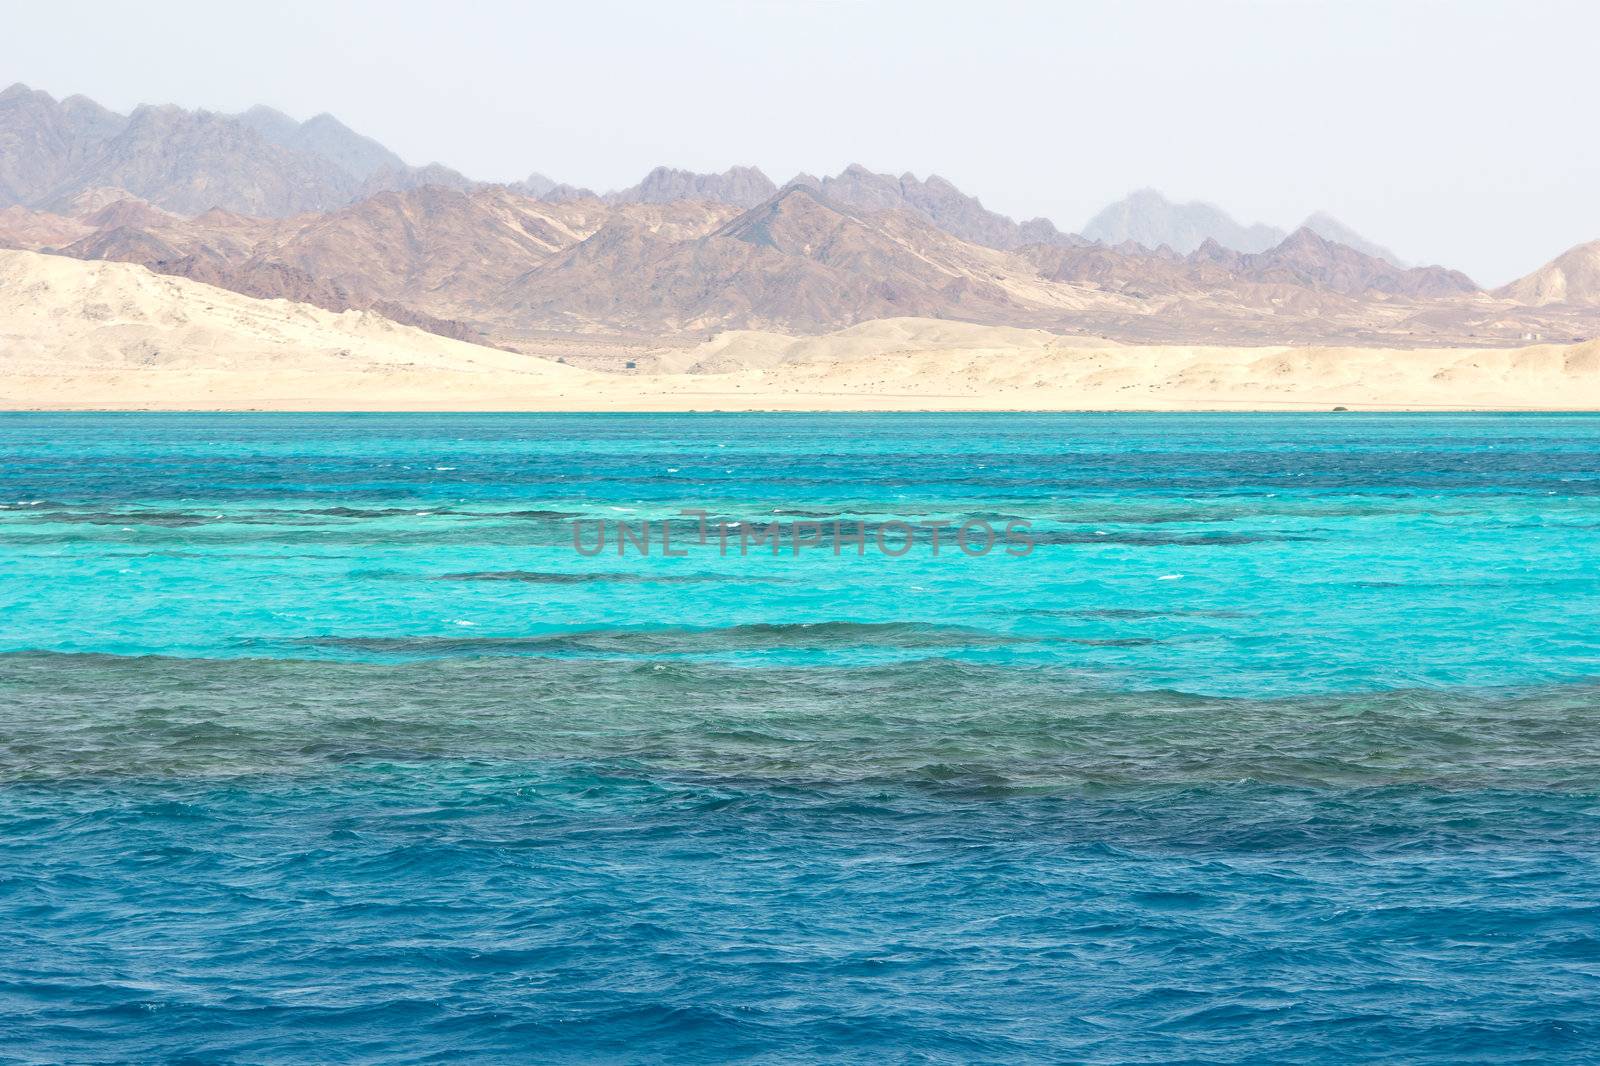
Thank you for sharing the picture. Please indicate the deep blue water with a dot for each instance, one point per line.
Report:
(320, 742)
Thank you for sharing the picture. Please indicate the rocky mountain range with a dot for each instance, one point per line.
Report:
(263, 162)
(739, 186)
(314, 212)
(259, 163)
(936, 200)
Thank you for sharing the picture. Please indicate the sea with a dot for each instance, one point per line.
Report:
(706, 738)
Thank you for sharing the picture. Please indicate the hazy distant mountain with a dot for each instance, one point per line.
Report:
(541, 187)
(936, 200)
(190, 161)
(740, 186)
(1571, 278)
(43, 142)
(437, 174)
(564, 193)
(325, 136)
(261, 162)
(1325, 225)
(271, 123)
(1148, 218)
(535, 184)
(180, 160)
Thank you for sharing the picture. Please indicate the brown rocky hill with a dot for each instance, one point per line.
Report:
(267, 279)
(739, 186)
(1127, 268)
(21, 228)
(1301, 260)
(795, 262)
(855, 188)
(1571, 278)
(233, 252)
(456, 253)
(514, 266)
(426, 256)
(936, 200)
(1306, 259)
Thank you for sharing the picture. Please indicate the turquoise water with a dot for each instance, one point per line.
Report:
(319, 741)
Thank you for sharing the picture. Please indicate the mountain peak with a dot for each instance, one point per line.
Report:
(1573, 277)
(1326, 225)
(271, 123)
(1148, 195)
(271, 114)
(324, 121)
(535, 185)
(1305, 238)
(563, 193)
(792, 218)
(935, 200)
(741, 186)
(325, 136)
(1147, 217)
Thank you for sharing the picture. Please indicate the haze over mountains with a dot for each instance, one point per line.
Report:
(314, 212)
(260, 163)
(1150, 219)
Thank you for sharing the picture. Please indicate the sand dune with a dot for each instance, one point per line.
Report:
(79, 334)
(97, 334)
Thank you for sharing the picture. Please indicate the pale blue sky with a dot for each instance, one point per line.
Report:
(1457, 132)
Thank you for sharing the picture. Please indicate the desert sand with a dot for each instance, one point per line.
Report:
(105, 336)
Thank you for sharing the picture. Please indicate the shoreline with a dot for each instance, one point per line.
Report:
(734, 403)
(447, 410)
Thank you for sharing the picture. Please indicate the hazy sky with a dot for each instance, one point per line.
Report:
(1456, 132)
